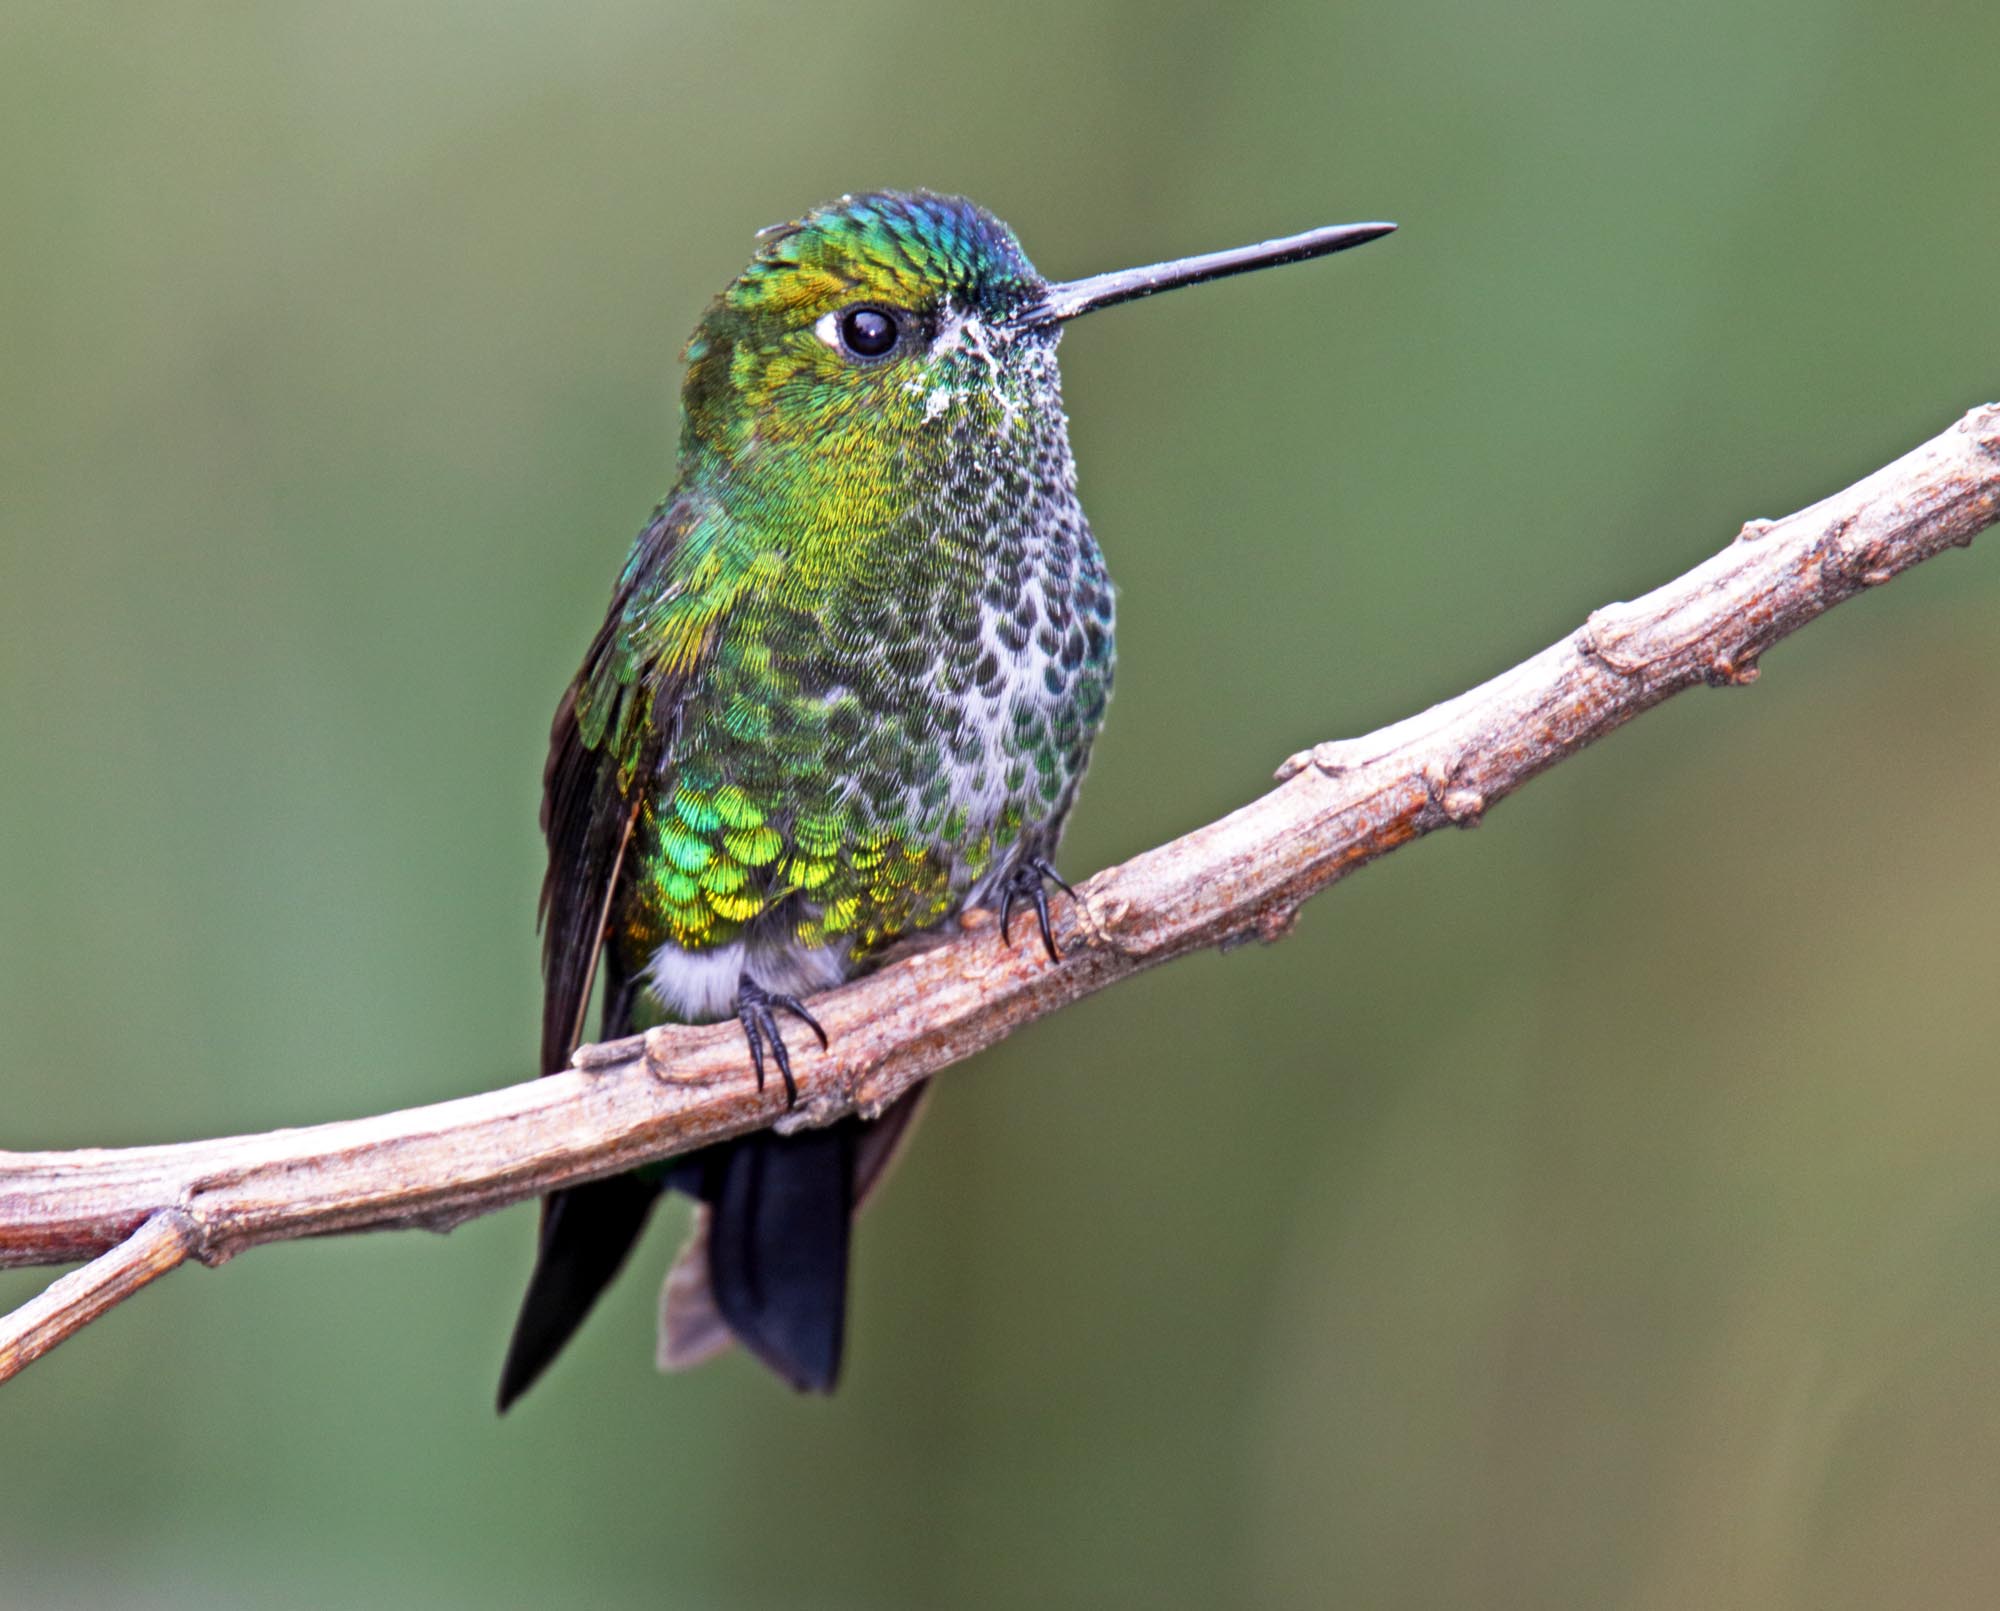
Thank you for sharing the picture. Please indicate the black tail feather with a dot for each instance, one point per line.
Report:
(586, 1233)
(777, 1246)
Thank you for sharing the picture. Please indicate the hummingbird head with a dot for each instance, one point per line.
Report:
(874, 317)
(888, 341)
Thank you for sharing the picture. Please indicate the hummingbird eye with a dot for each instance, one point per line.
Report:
(867, 332)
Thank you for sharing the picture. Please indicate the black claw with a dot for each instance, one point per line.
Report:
(792, 1005)
(754, 1012)
(770, 1027)
(746, 1015)
(1024, 883)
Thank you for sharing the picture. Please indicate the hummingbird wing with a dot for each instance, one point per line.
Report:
(612, 734)
(587, 834)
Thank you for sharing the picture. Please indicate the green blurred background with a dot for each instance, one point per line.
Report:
(1602, 1209)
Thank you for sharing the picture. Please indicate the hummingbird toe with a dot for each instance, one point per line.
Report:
(1046, 869)
(1025, 883)
(757, 1010)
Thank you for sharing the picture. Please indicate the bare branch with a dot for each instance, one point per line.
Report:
(1338, 807)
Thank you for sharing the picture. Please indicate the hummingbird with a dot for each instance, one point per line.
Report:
(846, 688)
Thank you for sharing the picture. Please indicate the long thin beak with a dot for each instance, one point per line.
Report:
(1067, 300)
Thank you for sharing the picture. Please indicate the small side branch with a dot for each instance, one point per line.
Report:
(1338, 806)
(72, 1301)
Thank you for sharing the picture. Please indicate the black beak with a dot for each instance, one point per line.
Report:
(1072, 297)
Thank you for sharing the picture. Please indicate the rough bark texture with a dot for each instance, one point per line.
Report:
(139, 1211)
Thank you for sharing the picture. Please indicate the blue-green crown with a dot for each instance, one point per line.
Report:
(907, 247)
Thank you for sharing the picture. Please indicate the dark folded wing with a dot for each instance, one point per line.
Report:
(612, 737)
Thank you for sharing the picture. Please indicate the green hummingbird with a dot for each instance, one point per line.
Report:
(846, 688)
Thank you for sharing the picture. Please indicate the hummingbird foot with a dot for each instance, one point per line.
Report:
(757, 1011)
(1026, 883)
